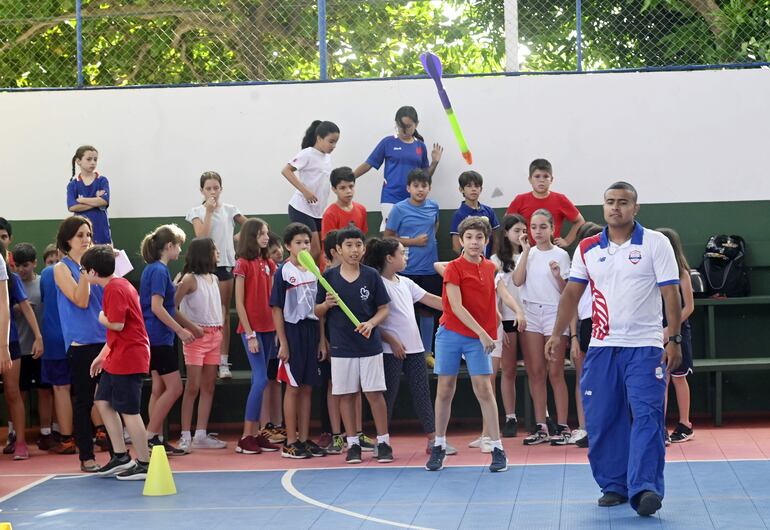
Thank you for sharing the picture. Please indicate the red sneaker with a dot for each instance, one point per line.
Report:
(265, 444)
(248, 446)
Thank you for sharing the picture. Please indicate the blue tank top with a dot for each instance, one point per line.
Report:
(77, 324)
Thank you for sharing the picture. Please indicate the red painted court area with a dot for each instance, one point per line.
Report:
(749, 440)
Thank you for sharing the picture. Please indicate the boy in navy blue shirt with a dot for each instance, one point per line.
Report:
(356, 351)
(414, 222)
(471, 184)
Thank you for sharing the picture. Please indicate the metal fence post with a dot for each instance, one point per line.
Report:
(79, 30)
(322, 40)
(579, 35)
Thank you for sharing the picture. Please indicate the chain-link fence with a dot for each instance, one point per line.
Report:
(55, 43)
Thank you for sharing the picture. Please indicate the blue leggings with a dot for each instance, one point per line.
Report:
(258, 374)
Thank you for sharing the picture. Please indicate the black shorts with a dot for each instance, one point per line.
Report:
(584, 328)
(433, 283)
(272, 369)
(313, 223)
(56, 372)
(325, 370)
(29, 375)
(510, 326)
(15, 349)
(302, 338)
(164, 359)
(685, 368)
(224, 273)
(122, 391)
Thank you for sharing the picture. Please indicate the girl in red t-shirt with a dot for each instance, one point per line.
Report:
(253, 281)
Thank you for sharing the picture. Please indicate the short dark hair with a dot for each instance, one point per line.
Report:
(341, 174)
(350, 232)
(273, 239)
(5, 225)
(50, 249)
(542, 164)
(622, 185)
(418, 175)
(67, 230)
(330, 242)
(100, 259)
(470, 177)
(475, 222)
(295, 229)
(24, 253)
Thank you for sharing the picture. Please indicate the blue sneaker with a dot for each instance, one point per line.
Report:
(499, 461)
(436, 460)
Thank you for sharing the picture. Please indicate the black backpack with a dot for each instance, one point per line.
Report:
(724, 267)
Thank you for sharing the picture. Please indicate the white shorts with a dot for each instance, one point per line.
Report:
(541, 318)
(351, 374)
(385, 208)
(498, 351)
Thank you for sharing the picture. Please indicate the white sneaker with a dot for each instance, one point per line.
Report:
(224, 371)
(209, 442)
(486, 444)
(450, 450)
(185, 444)
(475, 444)
(577, 434)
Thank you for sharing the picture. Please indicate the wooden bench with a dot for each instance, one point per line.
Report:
(719, 366)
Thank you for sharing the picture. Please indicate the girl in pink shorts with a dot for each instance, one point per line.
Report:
(198, 298)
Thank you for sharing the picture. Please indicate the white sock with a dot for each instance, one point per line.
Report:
(353, 440)
(223, 360)
(151, 435)
(10, 427)
(510, 416)
(55, 427)
(542, 427)
(200, 433)
(45, 431)
(440, 441)
(186, 435)
(384, 439)
(496, 444)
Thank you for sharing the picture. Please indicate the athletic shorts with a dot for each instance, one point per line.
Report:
(313, 223)
(510, 326)
(685, 368)
(451, 347)
(325, 370)
(541, 318)
(164, 359)
(15, 349)
(351, 374)
(205, 350)
(224, 273)
(272, 369)
(433, 283)
(30, 374)
(56, 372)
(584, 328)
(122, 391)
(302, 366)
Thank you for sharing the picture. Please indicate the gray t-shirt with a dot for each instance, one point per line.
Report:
(26, 337)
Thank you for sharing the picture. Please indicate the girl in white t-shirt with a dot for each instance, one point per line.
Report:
(541, 273)
(309, 172)
(401, 342)
(216, 220)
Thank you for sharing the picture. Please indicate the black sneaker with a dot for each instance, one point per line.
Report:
(296, 450)
(170, 449)
(582, 442)
(436, 460)
(499, 461)
(552, 427)
(538, 436)
(667, 439)
(313, 448)
(682, 433)
(611, 499)
(649, 503)
(354, 454)
(384, 453)
(116, 465)
(562, 436)
(137, 472)
(511, 428)
(367, 444)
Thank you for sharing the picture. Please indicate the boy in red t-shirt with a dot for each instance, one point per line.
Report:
(345, 211)
(561, 208)
(125, 360)
(467, 328)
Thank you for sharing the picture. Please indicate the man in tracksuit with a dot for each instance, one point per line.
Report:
(628, 269)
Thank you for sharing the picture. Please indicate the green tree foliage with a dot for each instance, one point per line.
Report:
(203, 41)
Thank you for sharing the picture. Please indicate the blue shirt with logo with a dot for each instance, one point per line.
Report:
(409, 220)
(54, 348)
(400, 159)
(98, 216)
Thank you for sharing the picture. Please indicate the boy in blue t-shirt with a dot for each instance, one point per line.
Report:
(471, 184)
(414, 222)
(356, 351)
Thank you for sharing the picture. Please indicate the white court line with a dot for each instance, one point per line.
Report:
(25, 488)
(294, 492)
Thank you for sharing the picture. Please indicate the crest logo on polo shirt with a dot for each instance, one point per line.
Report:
(364, 293)
(292, 280)
(418, 150)
(634, 256)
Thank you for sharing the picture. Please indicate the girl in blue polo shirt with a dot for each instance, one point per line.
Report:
(88, 194)
(401, 154)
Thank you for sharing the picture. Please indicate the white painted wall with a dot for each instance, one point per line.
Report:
(679, 137)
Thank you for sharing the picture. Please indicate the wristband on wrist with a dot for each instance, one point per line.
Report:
(573, 337)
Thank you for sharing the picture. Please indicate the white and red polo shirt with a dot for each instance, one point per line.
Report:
(625, 283)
